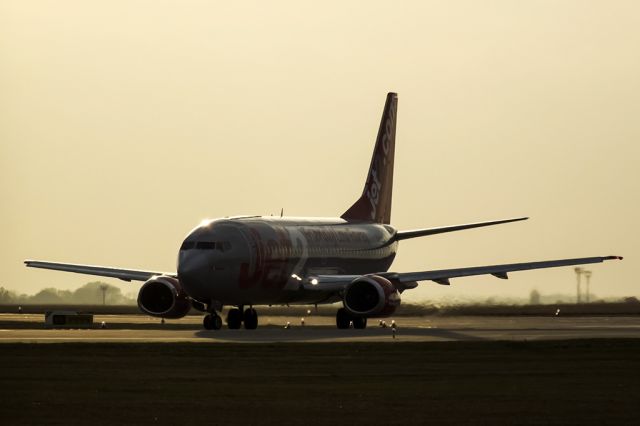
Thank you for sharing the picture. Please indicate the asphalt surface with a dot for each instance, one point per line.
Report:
(28, 328)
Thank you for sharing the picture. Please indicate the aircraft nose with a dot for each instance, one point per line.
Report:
(192, 270)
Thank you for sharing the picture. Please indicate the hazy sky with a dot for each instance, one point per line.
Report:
(124, 123)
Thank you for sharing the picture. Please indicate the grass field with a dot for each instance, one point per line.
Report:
(570, 382)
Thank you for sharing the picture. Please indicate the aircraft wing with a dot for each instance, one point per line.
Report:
(407, 280)
(499, 271)
(101, 271)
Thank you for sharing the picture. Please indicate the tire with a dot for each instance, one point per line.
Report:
(250, 319)
(234, 319)
(359, 322)
(343, 319)
(212, 322)
(216, 322)
(207, 322)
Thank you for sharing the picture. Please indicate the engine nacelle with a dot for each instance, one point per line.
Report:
(164, 297)
(371, 296)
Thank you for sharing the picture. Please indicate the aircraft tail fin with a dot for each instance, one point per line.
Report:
(374, 205)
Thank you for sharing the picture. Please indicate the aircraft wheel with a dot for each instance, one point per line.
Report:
(343, 318)
(207, 322)
(212, 322)
(234, 319)
(250, 319)
(360, 322)
(217, 322)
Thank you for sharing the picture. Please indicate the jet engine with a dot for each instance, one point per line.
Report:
(371, 296)
(163, 296)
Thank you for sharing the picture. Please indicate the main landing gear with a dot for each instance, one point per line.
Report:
(344, 319)
(235, 318)
(250, 319)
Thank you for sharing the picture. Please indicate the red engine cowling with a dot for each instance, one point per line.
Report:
(371, 296)
(164, 297)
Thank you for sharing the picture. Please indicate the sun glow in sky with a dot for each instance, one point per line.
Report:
(122, 124)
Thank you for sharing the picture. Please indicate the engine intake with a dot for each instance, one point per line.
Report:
(163, 297)
(371, 296)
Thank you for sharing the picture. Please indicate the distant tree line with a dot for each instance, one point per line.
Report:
(89, 294)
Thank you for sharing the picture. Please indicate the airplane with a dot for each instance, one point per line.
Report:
(246, 261)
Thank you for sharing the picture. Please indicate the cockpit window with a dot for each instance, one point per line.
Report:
(223, 245)
(188, 245)
(214, 245)
(206, 245)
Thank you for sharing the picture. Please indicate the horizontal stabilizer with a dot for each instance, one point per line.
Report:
(403, 235)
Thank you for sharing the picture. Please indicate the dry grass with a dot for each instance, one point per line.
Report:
(575, 382)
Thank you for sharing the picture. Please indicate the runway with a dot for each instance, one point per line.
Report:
(15, 328)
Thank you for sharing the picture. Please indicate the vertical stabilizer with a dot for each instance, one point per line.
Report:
(374, 205)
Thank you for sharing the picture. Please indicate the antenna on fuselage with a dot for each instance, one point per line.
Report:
(282, 212)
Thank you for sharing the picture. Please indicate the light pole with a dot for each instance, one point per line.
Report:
(104, 288)
(587, 275)
(578, 273)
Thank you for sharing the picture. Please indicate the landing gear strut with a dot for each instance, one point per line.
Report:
(344, 318)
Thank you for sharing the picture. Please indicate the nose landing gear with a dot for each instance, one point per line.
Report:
(212, 322)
